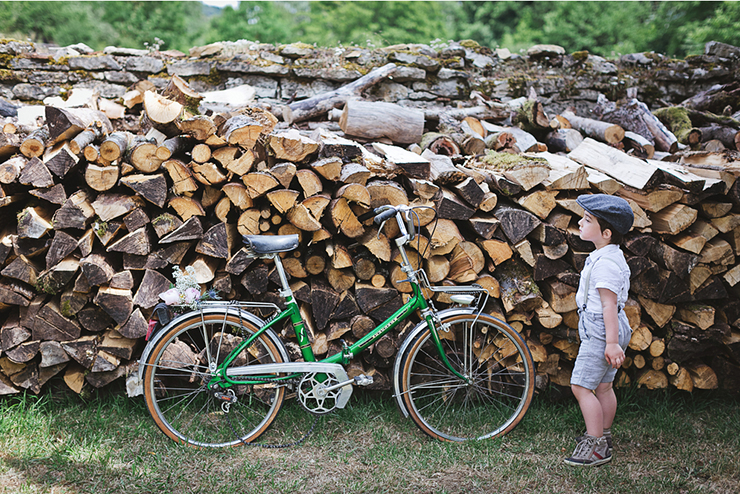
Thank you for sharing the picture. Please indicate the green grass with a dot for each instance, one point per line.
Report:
(664, 442)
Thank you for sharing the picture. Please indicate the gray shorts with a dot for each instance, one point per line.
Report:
(591, 368)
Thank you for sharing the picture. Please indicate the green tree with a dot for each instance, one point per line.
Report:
(55, 22)
(130, 24)
(488, 23)
(267, 22)
(139, 23)
(722, 25)
(375, 23)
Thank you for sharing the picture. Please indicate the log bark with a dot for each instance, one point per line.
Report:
(373, 120)
(595, 129)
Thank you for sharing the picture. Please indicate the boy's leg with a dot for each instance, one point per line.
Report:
(608, 401)
(591, 410)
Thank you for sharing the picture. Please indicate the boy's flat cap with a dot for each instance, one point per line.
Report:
(612, 209)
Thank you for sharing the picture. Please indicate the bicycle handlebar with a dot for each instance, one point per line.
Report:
(383, 213)
(404, 217)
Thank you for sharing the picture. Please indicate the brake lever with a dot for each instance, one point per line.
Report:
(380, 228)
(410, 224)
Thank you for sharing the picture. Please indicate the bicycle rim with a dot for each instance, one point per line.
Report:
(177, 374)
(498, 390)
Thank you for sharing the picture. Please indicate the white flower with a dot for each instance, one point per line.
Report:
(171, 296)
(191, 295)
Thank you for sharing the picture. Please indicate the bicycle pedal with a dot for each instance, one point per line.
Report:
(363, 380)
(225, 397)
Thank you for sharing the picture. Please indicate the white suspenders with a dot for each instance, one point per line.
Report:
(588, 280)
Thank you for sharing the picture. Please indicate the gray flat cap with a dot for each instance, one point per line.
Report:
(612, 209)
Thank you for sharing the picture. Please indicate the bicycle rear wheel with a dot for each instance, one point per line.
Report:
(499, 385)
(178, 371)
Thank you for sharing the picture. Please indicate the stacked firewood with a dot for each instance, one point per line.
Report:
(100, 217)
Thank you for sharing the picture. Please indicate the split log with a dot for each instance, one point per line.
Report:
(634, 115)
(565, 174)
(628, 170)
(66, 123)
(450, 207)
(60, 159)
(292, 146)
(673, 219)
(116, 302)
(173, 146)
(638, 145)
(178, 90)
(34, 222)
(34, 144)
(329, 168)
(162, 112)
(187, 207)
(518, 291)
(515, 223)
(563, 140)
(439, 144)
(115, 145)
(9, 144)
(11, 169)
(411, 164)
(525, 171)
(152, 187)
(441, 169)
(101, 178)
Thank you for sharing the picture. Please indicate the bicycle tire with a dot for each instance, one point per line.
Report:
(500, 384)
(177, 373)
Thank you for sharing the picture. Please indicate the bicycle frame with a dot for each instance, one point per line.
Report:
(416, 302)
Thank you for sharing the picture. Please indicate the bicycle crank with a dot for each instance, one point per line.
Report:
(320, 396)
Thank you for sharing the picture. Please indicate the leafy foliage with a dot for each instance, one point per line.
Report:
(604, 28)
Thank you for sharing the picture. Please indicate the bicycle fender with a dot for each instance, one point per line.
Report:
(455, 311)
(247, 316)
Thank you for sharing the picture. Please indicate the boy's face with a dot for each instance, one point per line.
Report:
(590, 230)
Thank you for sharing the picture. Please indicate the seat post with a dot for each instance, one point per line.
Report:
(285, 292)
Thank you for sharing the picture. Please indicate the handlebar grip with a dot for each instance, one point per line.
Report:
(388, 213)
(364, 217)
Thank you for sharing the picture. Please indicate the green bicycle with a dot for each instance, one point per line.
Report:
(218, 375)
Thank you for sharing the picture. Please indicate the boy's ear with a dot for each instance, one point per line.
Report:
(606, 233)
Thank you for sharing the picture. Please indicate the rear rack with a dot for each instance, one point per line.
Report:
(476, 290)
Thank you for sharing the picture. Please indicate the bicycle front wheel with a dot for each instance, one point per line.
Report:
(180, 367)
(498, 385)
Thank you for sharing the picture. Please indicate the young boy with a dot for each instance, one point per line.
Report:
(603, 327)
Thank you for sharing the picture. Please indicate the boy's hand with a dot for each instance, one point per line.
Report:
(614, 355)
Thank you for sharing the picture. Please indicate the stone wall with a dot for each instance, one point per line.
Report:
(282, 73)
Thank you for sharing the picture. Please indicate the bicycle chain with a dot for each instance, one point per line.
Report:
(274, 446)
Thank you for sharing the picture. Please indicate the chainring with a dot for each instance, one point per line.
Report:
(313, 396)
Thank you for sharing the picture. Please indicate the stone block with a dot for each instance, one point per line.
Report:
(290, 88)
(421, 61)
(252, 68)
(121, 77)
(29, 92)
(37, 64)
(329, 74)
(102, 62)
(41, 77)
(186, 69)
(145, 64)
